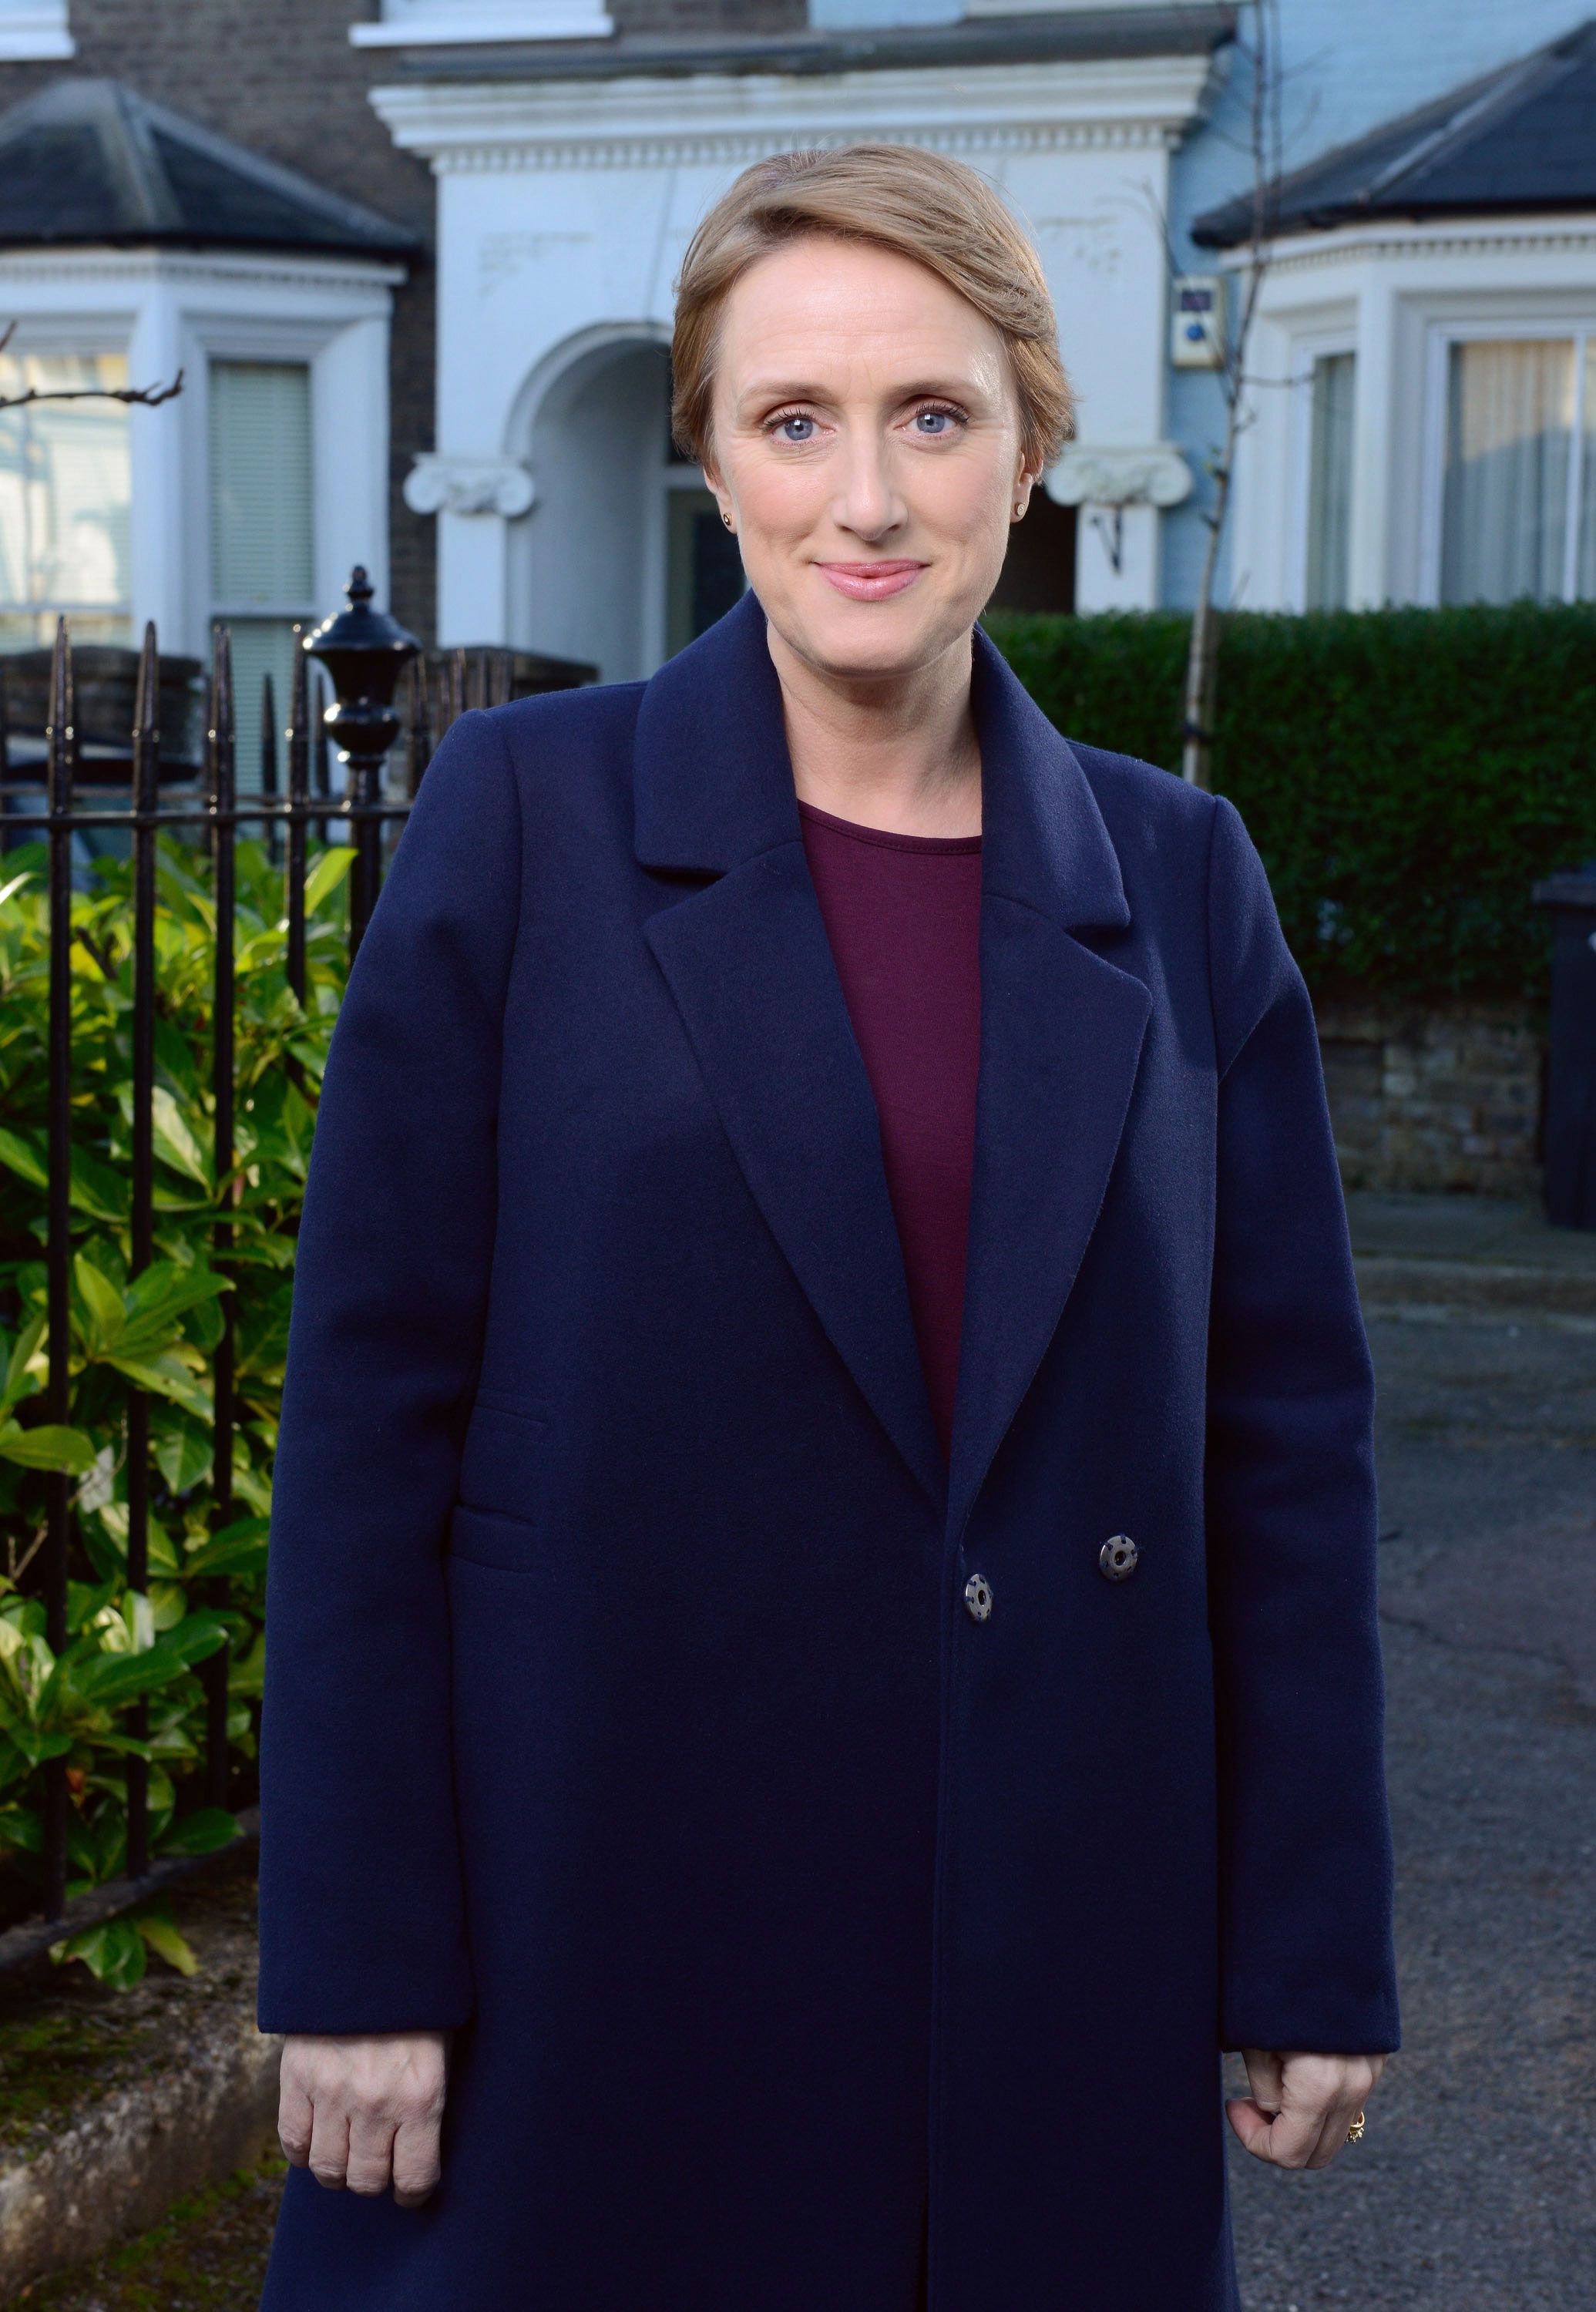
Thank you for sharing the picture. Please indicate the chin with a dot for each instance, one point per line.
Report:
(843, 638)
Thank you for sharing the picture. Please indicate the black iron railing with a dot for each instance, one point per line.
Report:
(366, 656)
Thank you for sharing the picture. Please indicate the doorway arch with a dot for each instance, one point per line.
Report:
(623, 559)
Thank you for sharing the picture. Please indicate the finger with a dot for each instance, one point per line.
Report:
(1328, 2092)
(1284, 2138)
(371, 2152)
(1338, 2119)
(1264, 2069)
(1253, 2126)
(330, 2145)
(293, 2122)
(417, 2162)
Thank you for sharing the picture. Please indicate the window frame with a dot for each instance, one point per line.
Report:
(323, 346)
(1575, 327)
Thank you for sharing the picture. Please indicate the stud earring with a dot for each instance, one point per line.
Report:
(726, 518)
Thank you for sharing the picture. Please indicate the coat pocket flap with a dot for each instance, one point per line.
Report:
(499, 1466)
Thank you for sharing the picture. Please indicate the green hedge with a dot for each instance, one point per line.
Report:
(1406, 773)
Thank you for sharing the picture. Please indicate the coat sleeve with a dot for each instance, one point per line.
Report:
(1305, 1885)
(362, 1916)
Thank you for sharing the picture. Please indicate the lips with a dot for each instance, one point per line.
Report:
(870, 582)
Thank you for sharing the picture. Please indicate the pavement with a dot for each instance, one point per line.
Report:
(1480, 1252)
(1474, 2189)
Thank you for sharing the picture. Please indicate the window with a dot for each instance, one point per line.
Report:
(407, 23)
(65, 491)
(1517, 513)
(1329, 481)
(34, 29)
(262, 576)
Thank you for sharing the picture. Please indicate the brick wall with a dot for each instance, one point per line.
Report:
(1444, 1097)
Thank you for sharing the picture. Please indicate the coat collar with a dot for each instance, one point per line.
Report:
(748, 963)
(713, 786)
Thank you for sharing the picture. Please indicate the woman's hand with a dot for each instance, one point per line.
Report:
(366, 2112)
(1301, 2105)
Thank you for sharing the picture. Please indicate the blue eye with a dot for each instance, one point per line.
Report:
(934, 421)
(787, 425)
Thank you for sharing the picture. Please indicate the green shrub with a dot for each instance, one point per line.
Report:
(158, 1330)
(1406, 774)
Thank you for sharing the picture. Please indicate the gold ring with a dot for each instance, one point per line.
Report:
(1355, 2133)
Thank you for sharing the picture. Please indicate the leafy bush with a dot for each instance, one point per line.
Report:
(1407, 774)
(158, 1330)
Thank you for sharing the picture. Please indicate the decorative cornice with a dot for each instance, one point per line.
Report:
(436, 484)
(730, 150)
(711, 118)
(1115, 474)
(161, 265)
(1476, 237)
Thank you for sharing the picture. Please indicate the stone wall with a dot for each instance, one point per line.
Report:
(1434, 1097)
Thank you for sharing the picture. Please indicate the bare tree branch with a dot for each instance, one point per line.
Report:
(1266, 139)
(144, 397)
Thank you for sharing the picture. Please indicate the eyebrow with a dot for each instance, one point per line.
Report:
(776, 390)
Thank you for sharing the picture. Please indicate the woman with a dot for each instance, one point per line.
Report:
(801, 1745)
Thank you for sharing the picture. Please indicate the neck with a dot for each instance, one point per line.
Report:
(893, 751)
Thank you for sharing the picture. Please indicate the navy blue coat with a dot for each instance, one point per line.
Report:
(623, 1703)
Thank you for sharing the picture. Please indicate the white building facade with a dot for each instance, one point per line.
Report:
(564, 208)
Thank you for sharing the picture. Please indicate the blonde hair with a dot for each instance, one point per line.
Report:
(920, 203)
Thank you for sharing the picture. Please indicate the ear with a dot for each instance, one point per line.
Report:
(1025, 481)
(713, 482)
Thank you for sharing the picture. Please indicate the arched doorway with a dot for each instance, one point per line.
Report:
(623, 559)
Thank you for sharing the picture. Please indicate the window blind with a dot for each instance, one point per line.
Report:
(262, 533)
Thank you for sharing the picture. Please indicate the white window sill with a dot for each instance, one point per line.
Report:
(38, 37)
(471, 27)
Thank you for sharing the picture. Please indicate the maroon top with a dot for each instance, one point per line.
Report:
(903, 915)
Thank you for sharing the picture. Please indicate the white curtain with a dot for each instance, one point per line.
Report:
(1585, 579)
(1329, 481)
(1510, 437)
(65, 494)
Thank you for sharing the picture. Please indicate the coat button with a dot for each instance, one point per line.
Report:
(1117, 1559)
(977, 1597)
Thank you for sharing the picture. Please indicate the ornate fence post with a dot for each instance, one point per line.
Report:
(61, 743)
(365, 651)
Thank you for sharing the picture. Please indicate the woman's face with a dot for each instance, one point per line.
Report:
(866, 447)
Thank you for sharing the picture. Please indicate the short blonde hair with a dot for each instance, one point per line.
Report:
(920, 203)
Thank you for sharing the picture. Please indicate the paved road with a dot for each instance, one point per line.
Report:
(1475, 2188)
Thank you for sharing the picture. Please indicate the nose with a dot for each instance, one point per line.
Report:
(867, 503)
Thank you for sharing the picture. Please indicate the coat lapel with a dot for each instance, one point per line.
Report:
(748, 966)
(1061, 1038)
